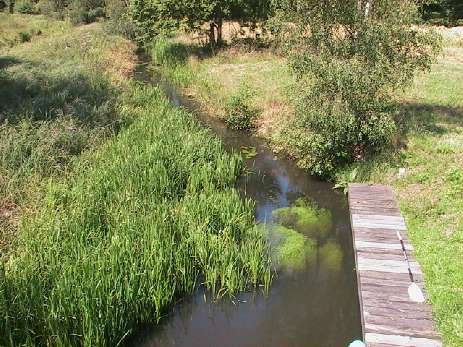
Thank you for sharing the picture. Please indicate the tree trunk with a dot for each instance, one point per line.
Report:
(11, 7)
(368, 5)
(219, 31)
(212, 34)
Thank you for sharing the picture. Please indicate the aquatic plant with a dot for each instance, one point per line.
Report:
(138, 223)
(331, 257)
(290, 249)
(305, 217)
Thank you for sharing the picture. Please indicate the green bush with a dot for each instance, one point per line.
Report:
(24, 36)
(85, 12)
(240, 113)
(25, 7)
(348, 69)
(119, 21)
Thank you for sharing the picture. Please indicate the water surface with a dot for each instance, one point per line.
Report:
(315, 307)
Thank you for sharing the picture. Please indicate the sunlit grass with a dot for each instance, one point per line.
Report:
(431, 191)
(58, 98)
(145, 219)
(119, 204)
(15, 27)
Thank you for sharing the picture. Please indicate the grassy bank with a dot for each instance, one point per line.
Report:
(431, 190)
(429, 147)
(144, 219)
(58, 98)
(114, 203)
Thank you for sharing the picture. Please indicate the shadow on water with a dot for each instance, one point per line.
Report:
(315, 307)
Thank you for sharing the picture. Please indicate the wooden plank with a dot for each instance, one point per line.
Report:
(377, 221)
(389, 317)
(400, 340)
(381, 245)
(395, 266)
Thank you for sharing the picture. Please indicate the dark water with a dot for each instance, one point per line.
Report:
(315, 307)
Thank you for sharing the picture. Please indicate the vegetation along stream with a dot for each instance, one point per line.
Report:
(313, 300)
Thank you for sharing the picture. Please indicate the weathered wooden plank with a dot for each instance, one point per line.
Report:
(400, 340)
(378, 222)
(397, 311)
(381, 245)
(380, 277)
(389, 317)
(384, 303)
(395, 266)
(405, 329)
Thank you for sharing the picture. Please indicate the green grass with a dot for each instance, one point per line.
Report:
(216, 80)
(15, 28)
(58, 98)
(429, 147)
(144, 220)
(431, 191)
(115, 204)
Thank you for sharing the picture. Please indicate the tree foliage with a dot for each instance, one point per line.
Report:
(157, 16)
(349, 56)
(447, 11)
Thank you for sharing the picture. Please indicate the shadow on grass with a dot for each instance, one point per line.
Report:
(8, 61)
(169, 53)
(49, 117)
(29, 93)
(431, 118)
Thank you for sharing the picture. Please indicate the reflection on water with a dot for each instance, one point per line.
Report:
(315, 307)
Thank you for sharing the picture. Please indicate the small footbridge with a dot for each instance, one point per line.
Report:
(390, 281)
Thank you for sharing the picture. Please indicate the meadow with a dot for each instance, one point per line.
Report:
(122, 203)
(428, 146)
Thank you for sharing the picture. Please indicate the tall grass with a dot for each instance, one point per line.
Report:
(59, 97)
(146, 218)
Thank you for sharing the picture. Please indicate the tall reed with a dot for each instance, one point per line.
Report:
(140, 222)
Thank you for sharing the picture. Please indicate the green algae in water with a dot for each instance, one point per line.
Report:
(331, 257)
(248, 152)
(305, 217)
(291, 250)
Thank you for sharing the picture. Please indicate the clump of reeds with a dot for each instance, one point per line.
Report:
(142, 221)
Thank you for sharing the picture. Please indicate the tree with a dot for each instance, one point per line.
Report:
(349, 56)
(155, 16)
(451, 10)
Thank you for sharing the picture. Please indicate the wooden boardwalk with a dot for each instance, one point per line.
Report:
(389, 317)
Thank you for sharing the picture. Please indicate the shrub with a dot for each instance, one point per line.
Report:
(348, 67)
(119, 21)
(25, 7)
(25, 36)
(240, 113)
(85, 12)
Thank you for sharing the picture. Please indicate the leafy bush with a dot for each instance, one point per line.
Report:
(25, 7)
(348, 68)
(169, 53)
(25, 36)
(240, 113)
(119, 21)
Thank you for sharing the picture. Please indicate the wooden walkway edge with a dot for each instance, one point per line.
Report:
(389, 317)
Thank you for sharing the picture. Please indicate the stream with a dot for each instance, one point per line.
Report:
(315, 307)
